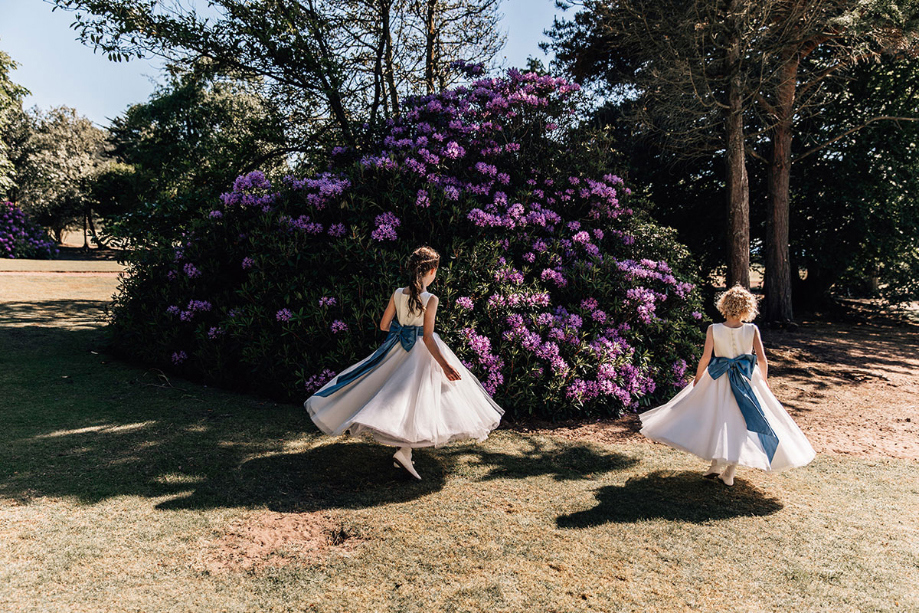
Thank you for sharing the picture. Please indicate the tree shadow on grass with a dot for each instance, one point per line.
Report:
(682, 496)
(77, 423)
(73, 314)
(568, 462)
(341, 475)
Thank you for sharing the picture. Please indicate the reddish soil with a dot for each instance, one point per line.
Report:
(853, 388)
(270, 539)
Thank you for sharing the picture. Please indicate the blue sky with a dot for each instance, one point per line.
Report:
(59, 70)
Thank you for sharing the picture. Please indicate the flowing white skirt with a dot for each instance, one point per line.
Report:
(704, 420)
(408, 401)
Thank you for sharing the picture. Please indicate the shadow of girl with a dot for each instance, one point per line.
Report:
(344, 475)
(683, 496)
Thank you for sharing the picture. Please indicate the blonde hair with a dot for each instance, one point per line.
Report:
(422, 261)
(739, 302)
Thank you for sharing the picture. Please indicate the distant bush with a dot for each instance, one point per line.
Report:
(21, 238)
(552, 291)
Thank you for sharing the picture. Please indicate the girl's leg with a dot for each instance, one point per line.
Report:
(728, 475)
(714, 470)
(403, 458)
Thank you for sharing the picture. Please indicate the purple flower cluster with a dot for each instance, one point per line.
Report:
(519, 299)
(327, 301)
(554, 276)
(20, 237)
(321, 190)
(338, 326)
(178, 357)
(283, 315)
(386, 225)
(464, 302)
(508, 274)
(488, 361)
(251, 190)
(318, 380)
(644, 301)
(646, 270)
(194, 306)
(680, 379)
(303, 224)
(337, 230)
(191, 271)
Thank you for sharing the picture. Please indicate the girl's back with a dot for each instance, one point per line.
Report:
(732, 342)
(404, 315)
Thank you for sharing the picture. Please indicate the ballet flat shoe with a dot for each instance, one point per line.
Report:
(406, 464)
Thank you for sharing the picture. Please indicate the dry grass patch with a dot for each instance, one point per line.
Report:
(269, 539)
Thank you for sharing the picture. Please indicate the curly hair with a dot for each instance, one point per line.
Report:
(421, 262)
(738, 301)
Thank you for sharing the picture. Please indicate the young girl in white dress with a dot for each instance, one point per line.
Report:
(413, 391)
(728, 414)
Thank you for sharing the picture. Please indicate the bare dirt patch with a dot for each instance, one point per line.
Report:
(853, 388)
(269, 539)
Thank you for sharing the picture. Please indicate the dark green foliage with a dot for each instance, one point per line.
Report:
(855, 215)
(184, 147)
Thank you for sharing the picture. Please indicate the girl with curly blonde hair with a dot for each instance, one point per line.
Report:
(728, 415)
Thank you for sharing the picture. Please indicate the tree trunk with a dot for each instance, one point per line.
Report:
(390, 69)
(777, 306)
(92, 229)
(430, 35)
(328, 79)
(737, 181)
(378, 88)
(85, 234)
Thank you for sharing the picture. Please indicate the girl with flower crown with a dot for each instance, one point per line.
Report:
(412, 391)
(728, 414)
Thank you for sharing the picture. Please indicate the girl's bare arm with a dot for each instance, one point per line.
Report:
(760, 351)
(706, 355)
(388, 315)
(430, 314)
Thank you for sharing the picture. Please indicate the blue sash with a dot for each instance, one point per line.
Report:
(406, 335)
(740, 370)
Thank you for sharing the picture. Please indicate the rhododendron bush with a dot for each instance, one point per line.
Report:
(20, 237)
(552, 291)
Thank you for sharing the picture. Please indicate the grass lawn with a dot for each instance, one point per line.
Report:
(124, 490)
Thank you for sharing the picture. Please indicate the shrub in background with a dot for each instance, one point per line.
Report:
(552, 291)
(20, 237)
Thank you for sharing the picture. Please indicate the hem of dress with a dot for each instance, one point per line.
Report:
(708, 458)
(358, 429)
(361, 430)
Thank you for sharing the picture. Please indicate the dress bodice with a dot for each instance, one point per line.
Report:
(732, 342)
(403, 314)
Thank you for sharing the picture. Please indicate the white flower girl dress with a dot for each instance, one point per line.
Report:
(707, 420)
(400, 395)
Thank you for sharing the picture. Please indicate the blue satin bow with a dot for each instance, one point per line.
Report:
(740, 370)
(404, 335)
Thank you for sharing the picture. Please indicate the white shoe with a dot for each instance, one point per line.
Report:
(714, 470)
(403, 457)
(727, 477)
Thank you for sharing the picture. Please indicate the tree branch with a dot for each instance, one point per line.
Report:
(848, 132)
